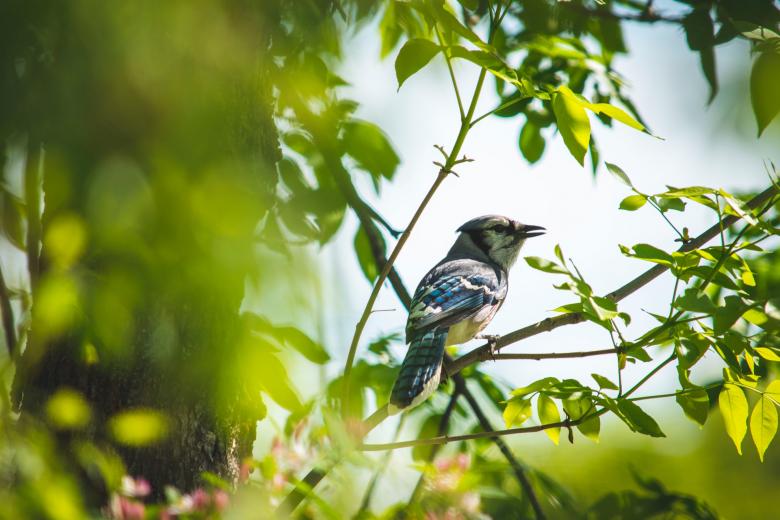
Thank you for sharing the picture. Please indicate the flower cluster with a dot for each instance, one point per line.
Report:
(128, 502)
(449, 487)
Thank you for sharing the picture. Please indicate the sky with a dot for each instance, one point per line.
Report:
(698, 145)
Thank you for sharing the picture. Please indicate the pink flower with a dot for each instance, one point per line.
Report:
(221, 500)
(200, 499)
(127, 509)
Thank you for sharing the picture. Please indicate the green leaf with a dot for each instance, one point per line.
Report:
(413, 56)
(652, 254)
(619, 173)
(547, 266)
(618, 114)
(638, 420)
(533, 387)
(633, 202)
(364, 255)
(670, 203)
(767, 353)
(577, 407)
(309, 348)
(773, 390)
(548, 414)
(604, 382)
(695, 403)
(734, 409)
(568, 308)
(517, 411)
(369, 146)
(693, 300)
(738, 207)
(573, 122)
(700, 34)
(763, 424)
(12, 223)
(531, 142)
(590, 428)
(764, 86)
(728, 313)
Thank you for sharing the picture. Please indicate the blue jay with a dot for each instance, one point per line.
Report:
(456, 300)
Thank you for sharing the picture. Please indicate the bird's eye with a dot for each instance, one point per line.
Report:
(498, 228)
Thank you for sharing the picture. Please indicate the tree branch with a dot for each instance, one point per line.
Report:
(517, 467)
(546, 325)
(648, 15)
(444, 425)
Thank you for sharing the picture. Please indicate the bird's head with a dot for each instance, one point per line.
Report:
(499, 238)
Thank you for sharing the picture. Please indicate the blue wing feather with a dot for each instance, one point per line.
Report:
(451, 292)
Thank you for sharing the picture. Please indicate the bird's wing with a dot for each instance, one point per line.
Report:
(451, 292)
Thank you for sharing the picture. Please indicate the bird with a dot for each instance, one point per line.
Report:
(456, 300)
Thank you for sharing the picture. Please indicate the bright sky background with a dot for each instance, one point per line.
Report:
(701, 145)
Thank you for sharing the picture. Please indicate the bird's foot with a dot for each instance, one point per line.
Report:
(492, 340)
(444, 375)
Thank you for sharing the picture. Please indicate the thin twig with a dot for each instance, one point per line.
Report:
(554, 355)
(9, 327)
(444, 439)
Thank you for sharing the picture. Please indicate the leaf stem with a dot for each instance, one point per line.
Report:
(448, 59)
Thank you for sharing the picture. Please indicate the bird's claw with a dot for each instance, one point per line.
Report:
(492, 340)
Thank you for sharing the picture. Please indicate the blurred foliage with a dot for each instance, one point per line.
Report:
(158, 159)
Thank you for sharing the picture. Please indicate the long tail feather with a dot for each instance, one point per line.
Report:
(419, 375)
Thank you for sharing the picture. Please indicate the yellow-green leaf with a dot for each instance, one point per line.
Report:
(633, 202)
(591, 428)
(548, 414)
(573, 122)
(763, 424)
(517, 411)
(773, 390)
(618, 114)
(734, 409)
(767, 353)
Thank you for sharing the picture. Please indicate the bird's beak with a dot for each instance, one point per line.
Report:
(528, 231)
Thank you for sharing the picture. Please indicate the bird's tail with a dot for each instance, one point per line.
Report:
(419, 375)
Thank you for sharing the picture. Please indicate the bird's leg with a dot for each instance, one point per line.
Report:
(492, 340)
(444, 376)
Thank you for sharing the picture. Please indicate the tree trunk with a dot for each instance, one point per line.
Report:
(160, 164)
